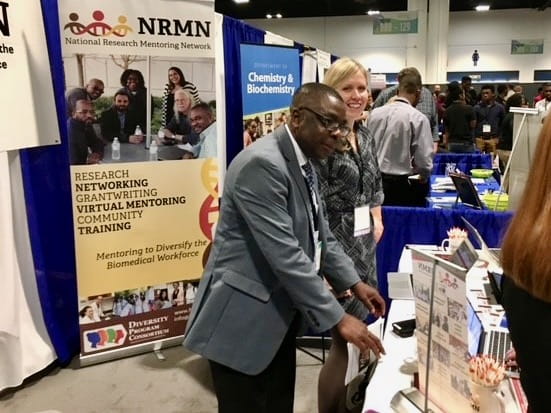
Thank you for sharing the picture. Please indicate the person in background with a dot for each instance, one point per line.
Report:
(544, 105)
(436, 90)
(489, 115)
(350, 181)
(261, 286)
(505, 143)
(459, 123)
(118, 121)
(134, 83)
(539, 96)
(179, 127)
(502, 90)
(470, 94)
(93, 90)
(176, 80)
(404, 145)
(203, 124)
(425, 104)
(85, 147)
(526, 286)
(250, 134)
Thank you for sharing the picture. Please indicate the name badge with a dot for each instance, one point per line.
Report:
(317, 255)
(362, 221)
(486, 128)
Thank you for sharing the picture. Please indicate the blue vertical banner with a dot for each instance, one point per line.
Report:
(270, 75)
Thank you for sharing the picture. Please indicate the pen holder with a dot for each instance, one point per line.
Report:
(486, 399)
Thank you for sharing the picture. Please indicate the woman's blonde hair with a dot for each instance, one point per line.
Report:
(525, 252)
(336, 75)
(341, 70)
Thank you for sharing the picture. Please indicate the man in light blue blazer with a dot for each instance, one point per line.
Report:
(262, 285)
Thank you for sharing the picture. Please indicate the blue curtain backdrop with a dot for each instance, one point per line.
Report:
(429, 226)
(48, 197)
(46, 182)
(235, 33)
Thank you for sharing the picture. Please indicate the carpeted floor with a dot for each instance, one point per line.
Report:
(181, 383)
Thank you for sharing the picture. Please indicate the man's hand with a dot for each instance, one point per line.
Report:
(370, 297)
(355, 331)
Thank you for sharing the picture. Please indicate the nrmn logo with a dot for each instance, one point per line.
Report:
(151, 25)
(102, 338)
(98, 28)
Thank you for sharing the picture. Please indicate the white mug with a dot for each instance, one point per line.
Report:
(451, 244)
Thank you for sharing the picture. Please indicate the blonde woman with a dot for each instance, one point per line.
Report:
(527, 286)
(350, 181)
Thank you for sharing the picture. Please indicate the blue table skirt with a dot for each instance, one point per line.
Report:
(463, 161)
(428, 226)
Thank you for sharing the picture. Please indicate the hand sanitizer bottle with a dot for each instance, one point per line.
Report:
(153, 151)
(138, 131)
(116, 149)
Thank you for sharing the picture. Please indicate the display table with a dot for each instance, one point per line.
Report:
(405, 225)
(389, 377)
(463, 161)
(444, 195)
(131, 152)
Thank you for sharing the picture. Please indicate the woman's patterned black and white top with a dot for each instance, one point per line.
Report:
(349, 180)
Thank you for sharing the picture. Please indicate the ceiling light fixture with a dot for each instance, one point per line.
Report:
(373, 12)
(269, 16)
(240, 1)
(482, 7)
(278, 15)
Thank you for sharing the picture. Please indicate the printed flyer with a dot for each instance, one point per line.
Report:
(140, 89)
(27, 105)
(270, 75)
(448, 384)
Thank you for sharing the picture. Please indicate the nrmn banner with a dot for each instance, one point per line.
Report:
(140, 88)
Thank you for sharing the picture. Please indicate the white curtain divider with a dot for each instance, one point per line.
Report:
(25, 348)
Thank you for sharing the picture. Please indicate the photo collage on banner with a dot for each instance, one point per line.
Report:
(270, 75)
(449, 355)
(140, 88)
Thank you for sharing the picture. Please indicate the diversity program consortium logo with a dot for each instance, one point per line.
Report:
(98, 27)
(104, 338)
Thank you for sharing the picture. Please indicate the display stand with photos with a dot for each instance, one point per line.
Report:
(442, 337)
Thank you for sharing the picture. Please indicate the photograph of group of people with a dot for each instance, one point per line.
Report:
(137, 301)
(258, 125)
(182, 110)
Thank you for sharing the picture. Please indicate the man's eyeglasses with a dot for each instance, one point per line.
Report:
(329, 124)
(87, 111)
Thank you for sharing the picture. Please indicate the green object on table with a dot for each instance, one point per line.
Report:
(491, 201)
(481, 173)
